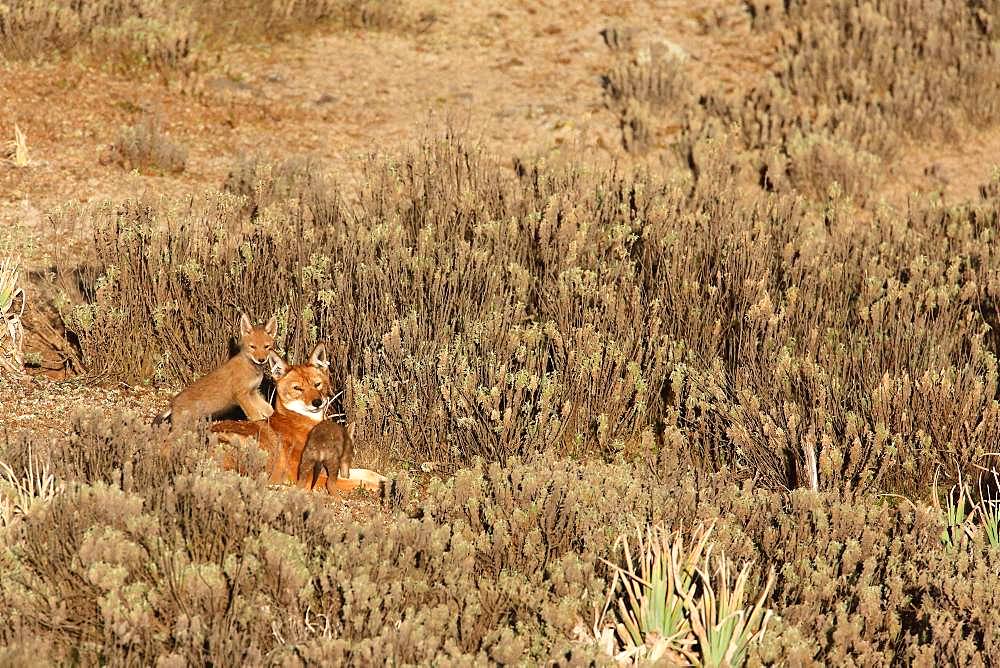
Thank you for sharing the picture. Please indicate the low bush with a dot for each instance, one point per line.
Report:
(816, 162)
(171, 36)
(149, 554)
(647, 88)
(12, 305)
(878, 72)
(480, 313)
(144, 147)
(842, 86)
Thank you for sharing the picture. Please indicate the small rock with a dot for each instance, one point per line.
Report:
(225, 84)
(670, 49)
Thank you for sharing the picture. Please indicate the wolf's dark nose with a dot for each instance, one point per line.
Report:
(317, 403)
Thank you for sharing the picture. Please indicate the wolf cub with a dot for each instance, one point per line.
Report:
(235, 383)
(329, 447)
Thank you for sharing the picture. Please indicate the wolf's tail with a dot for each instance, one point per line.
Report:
(163, 417)
(361, 478)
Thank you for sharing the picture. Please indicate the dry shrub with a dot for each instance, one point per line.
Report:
(210, 568)
(12, 304)
(479, 313)
(254, 19)
(128, 32)
(501, 563)
(186, 324)
(990, 189)
(646, 87)
(816, 163)
(173, 35)
(265, 184)
(146, 148)
(882, 71)
(391, 296)
(123, 452)
(852, 81)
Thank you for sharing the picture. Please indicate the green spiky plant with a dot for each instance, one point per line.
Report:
(724, 628)
(959, 513)
(989, 511)
(673, 608)
(19, 493)
(11, 310)
(656, 581)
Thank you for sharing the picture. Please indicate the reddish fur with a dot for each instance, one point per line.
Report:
(283, 435)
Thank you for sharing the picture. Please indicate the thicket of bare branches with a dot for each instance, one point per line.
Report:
(477, 312)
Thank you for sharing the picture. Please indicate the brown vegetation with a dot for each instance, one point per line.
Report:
(12, 305)
(169, 35)
(583, 366)
(495, 315)
(151, 556)
(848, 83)
(146, 148)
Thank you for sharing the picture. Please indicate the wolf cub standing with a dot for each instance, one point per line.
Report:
(329, 447)
(235, 383)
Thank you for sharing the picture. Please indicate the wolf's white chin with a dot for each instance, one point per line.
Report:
(300, 407)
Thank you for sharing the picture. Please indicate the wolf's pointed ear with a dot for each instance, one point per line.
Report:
(272, 327)
(245, 324)
(318, 357)
(277, 366)
(351, 428)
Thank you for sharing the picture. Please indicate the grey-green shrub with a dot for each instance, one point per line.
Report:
(499, 563)
(474, 312)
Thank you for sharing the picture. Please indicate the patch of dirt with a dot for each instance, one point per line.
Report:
(523, 80)
(44, 405)
(954, 171)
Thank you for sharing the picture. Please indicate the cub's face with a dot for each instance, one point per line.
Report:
(257, 342)
(257, 345)
(303, 388)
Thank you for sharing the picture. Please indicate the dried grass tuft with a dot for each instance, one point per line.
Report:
(146, 148)
(12, 305)
(17, 149)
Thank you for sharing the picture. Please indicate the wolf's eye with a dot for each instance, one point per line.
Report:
(253, 347)
(319, 385)
(267, 347)
(297, 388)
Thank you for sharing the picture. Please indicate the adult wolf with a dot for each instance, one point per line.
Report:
(303, 393)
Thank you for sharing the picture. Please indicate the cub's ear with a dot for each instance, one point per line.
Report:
(318, 357)
(245, 324)
(351, 428)
(277, 366)
(272, 327)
